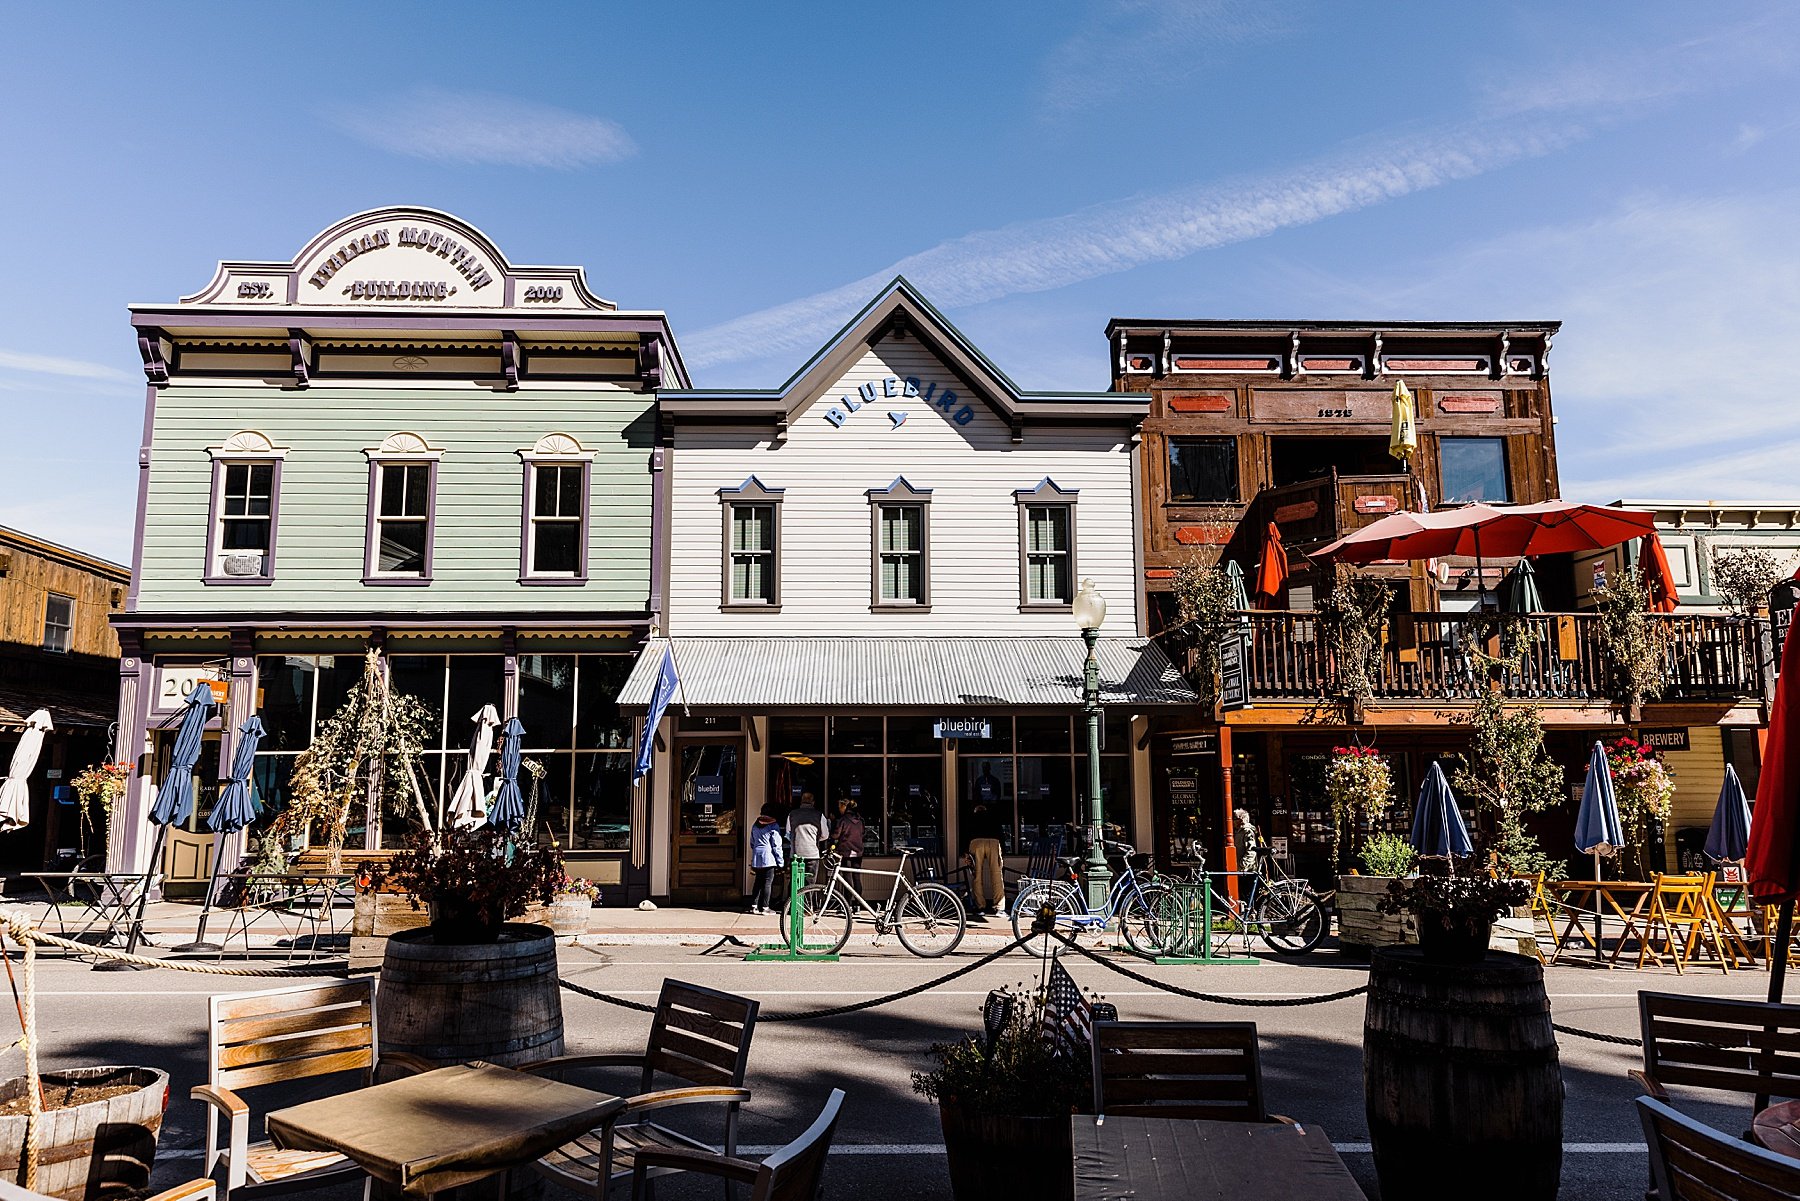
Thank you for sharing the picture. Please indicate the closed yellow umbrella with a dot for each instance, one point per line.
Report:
(1403, 442)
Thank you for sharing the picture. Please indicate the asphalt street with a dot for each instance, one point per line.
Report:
(888, 1144)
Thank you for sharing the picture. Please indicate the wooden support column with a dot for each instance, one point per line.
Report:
(509, 689)
(122, 850)
(1227, 800)
(240, 703)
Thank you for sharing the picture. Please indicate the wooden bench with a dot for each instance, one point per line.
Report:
(1179, 1070)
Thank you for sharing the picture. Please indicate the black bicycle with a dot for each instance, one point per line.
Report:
(1284, 912)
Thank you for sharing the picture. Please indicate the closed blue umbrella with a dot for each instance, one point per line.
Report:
(1597, 829)
(508, 809)
(235, 810)
(1729, 837)
(175, 799)
(1437, 825)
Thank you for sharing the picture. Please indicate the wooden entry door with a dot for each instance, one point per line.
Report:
(709, 825)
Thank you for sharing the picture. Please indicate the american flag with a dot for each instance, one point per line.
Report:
(1068, 1015)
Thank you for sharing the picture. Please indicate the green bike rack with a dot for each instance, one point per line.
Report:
(792, 949)
(1197, 919)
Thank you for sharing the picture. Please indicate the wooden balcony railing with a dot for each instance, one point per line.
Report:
(1709, 657)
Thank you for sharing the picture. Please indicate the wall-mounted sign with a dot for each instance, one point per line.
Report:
(1312, 405)
(1278, 846)
(709, 790)
(174, 681)
(962, 727)
(1234, 672)
(1376, 504)
(1193, 744)
(1201, 402)
(1184, 792)
(1468, 402)
(1783, 599)
(944, 399)
(1673, 738)
(1304, 510)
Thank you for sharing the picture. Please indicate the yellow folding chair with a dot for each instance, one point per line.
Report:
(1681, 903)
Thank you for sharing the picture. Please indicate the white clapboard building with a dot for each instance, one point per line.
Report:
(869, 575)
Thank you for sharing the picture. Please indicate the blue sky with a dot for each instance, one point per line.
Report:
(757, 170)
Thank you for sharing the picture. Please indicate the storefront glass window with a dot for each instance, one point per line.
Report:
(856, 778)
(1203, 469)
(915, 812)
(286, 683)
(475, 680)
(422, 676)
(547, 699)
(708, 788)
(1046, 799)
(1044, 735)
(856, 736)
(912, 736)
(797, 735)
(987, 780)
(602, 812)
(598, 722)
(547, 799)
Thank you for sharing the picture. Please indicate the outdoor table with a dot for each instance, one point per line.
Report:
(1778, 1128)
(107, 900)
(1606, 894)
(308, 898)
(1176, 1159)
(431, 1132)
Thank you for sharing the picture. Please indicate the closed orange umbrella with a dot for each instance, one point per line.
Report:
(1658, 579)
(1272, 572)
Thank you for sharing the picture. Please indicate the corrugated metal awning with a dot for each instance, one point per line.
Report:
(894, 673)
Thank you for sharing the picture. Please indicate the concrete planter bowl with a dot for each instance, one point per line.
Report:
(95, 1151)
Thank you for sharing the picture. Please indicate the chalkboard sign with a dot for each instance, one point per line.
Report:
(1782, 600)
(1234, 674)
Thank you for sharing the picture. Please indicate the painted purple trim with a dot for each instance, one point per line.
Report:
(659, 526)
(208, 575)
(290, 621)
(372, 547)
(143, 497)
(526, 576)
(278, 321)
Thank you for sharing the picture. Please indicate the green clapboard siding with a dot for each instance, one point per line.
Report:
(324, 495)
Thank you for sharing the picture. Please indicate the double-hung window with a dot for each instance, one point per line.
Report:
(1046, 546)
(402, 508)
(1203, 470)
(1473, 469)
(901, 568)
(555, 522)
(246, 494)
(59, 622)
(752, 559)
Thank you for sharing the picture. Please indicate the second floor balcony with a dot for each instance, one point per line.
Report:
(1545, 657)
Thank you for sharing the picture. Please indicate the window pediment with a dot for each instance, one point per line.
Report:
(900, 490)
(248, 444)
(553, 447)
(751, 489)
(404, 445)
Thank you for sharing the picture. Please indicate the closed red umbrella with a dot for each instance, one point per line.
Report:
(1658, 578)
(1772, 860)
(1272, 572)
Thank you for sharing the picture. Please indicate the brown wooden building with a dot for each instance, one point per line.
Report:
(1288, 422)
(57, 652)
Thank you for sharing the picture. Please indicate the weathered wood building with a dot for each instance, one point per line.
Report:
(1260, 423)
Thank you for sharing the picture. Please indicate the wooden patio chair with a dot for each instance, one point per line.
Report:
(276, 1037)
(1693, 1162)
(1681, 903)
(1179, 1070)
(194, 1190)
(1767, 918)
(700, 1038)
(794, 1173)
(1751, 1048)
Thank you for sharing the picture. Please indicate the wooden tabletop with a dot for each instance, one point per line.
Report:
(1778, 1128)
(427, 1133)
(1174, 1159)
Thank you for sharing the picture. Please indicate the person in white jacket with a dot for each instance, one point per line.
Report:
(807, 832)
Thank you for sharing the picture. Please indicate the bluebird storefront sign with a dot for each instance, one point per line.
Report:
(962, 727)
(893, 386)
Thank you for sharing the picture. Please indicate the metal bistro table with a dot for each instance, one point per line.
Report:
(435, 1131)
(1174, 1159)
(106, 901)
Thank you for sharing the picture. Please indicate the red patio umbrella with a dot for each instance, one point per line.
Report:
(1659, 580)
(1551, 527)
(1272, 572)
(1772, 860)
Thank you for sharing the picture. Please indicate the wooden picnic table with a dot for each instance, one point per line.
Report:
(1175, 1159)
(1608, 896)
(437, 1130)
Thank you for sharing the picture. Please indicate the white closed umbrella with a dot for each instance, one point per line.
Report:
(15, 797)
(467, 803)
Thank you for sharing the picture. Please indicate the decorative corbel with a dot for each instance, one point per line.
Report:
(1502, 368)
(509, 359)
(650, 363)
(150, 348)
(1168, 353)
(781, 431)
(1376, 366)
(300, 347)
(1018, 429)
(1121, 354)
(1543, 365)
(1295, 370)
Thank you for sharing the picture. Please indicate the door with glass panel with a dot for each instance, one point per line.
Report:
(708, 867)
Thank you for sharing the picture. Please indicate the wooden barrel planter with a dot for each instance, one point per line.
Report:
(100, 1149)
(999, 1155)
(1361, 926)
(1461, 1078)
(498, 1002)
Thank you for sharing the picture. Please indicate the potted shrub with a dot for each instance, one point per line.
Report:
(1004, 1104)
(1455, 913)
(575, 899)
(1360, 788)
(472, 881)
(1362, 925)
(1644, 788)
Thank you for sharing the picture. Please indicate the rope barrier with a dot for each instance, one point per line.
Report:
(31, 936)
(1211, 998)
(1578, 1032)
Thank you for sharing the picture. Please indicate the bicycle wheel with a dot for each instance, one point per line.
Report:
(1151, 920)
(930, 921)
(1061, 899)
(1290, 920)
(824, 920)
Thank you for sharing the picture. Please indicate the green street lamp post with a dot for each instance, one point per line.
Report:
(1090, 612)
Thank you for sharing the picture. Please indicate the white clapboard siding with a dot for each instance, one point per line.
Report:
(1699, 774)
(972, 471)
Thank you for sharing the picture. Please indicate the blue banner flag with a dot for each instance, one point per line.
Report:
(660, 696)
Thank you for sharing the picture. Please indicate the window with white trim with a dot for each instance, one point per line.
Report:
(402, 517)
(246, 498)
(752, 554)
(557, 516)
(1048, 552)
(901, 554)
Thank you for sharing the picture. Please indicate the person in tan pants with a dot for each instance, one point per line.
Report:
(987, 883)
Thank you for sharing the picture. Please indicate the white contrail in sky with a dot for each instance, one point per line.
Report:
(1052, 252)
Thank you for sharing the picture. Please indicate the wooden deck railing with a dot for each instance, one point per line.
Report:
(1437, 656)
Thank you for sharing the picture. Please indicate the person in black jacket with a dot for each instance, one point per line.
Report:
(987, 882)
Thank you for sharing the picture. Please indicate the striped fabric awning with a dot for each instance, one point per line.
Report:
(895, 673)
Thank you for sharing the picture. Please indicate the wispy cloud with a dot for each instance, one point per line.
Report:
(44, 364)
(1035, 256)
(482, 128)
(1122, 44)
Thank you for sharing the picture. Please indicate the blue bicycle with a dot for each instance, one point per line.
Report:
(1133, 902)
